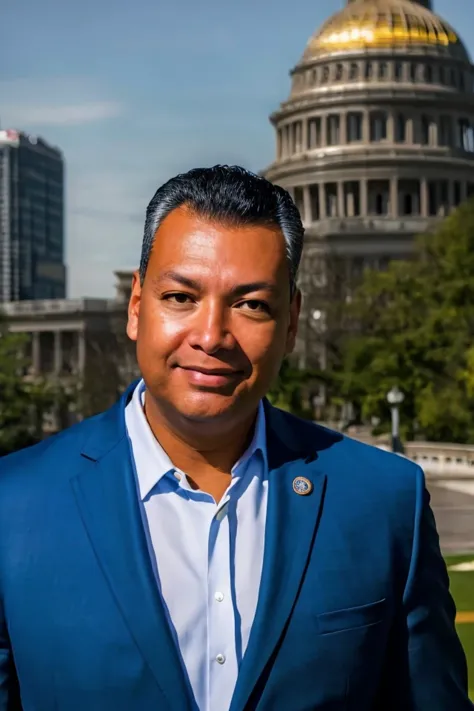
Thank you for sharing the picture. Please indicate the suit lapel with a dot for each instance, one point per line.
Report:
(108, 501)
(291, 527)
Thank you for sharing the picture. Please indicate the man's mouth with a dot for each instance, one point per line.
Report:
(211, 371)
(210, 377)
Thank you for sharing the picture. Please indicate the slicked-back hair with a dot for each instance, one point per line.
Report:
(231, 196)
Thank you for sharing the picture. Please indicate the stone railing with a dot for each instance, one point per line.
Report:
(439, 460)
(14, 309)
(442, 461)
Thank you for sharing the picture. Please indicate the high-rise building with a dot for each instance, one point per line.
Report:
(31, 219)
(375, 142)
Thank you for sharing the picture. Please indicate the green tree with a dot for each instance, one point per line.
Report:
(111, 366)
(23, 401)
(291, 390)
(416, 329)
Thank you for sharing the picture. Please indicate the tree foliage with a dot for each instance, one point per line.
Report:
(23, 401)
(416, 329)
(111, 366)
(291, 390)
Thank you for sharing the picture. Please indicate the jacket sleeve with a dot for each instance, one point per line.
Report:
(436, 669)
(9, 691)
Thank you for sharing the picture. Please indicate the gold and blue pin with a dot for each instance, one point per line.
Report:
(302, 486)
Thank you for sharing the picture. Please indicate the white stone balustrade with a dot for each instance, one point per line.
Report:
(443, 461)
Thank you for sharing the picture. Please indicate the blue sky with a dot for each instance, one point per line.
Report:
(134, 92)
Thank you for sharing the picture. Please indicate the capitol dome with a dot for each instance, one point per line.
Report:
(375, 141)
(385, 24)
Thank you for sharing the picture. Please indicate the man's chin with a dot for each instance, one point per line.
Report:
(195, 407)
(207, 406)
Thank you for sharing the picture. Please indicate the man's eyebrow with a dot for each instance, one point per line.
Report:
(180, 278)
(242, 289)
(238, 290)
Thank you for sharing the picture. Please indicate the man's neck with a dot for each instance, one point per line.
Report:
(206, 459)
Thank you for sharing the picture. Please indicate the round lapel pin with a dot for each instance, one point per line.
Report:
(302, 486)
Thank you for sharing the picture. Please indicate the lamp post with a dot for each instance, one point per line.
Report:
(395, 398)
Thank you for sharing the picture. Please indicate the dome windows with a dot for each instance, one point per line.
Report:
(383, 70)
(314, 132)
(465, 139)
(331, 200)
(400, 128)
(445, 131)
(378, 197)
(408, 197)
(398, 71)
(333, 129)
(326, 76)
(315, 203)
(354, 71)
(352, 198)
(354, 126)
(378, 126)
(425, 130)
(428, 73)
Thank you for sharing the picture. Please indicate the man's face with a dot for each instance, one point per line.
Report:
(213, 319)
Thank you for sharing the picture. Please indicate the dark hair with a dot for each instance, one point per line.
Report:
(230, 195)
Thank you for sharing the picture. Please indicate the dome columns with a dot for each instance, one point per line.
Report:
(398, 197)
(395, 127)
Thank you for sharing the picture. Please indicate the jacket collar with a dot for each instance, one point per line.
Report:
(296, 438)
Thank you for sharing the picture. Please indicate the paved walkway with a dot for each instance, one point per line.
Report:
(453, 507)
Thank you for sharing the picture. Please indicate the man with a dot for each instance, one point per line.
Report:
(194, 548)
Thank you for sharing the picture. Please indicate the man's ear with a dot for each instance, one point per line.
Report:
(134, 307)
(295, 308)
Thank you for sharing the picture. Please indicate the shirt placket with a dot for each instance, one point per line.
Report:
(222, 662)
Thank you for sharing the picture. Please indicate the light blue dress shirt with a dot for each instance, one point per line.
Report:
(208, 555)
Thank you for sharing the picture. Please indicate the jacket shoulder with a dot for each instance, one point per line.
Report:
(337, 451)
(39, 459)
(363, 479)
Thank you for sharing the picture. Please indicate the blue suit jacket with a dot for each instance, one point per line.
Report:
(354, 610)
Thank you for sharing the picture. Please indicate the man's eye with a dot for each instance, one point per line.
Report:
(178, 298)
(255, 306)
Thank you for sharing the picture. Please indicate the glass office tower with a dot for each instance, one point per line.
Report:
(31, 219)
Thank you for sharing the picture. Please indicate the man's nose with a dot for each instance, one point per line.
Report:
(211, 329)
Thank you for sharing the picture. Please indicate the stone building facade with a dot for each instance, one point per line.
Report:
(375, 142)
(78, 343)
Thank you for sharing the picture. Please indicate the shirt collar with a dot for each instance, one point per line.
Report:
(151, 461)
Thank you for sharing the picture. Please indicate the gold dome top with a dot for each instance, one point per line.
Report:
(366, 24)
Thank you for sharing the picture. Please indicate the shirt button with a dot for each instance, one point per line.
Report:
(220, 659)
(219, 596)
